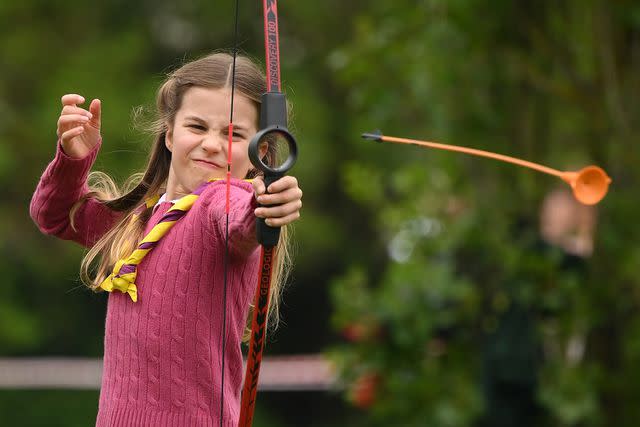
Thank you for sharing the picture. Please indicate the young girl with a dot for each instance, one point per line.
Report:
(163, 339)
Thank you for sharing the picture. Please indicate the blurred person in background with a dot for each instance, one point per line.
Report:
(513, 349)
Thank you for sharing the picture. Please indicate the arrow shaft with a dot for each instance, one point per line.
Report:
(473, 152)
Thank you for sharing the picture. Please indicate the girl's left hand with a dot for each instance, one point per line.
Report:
(284, 193)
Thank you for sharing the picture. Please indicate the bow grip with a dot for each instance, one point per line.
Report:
(267, 236)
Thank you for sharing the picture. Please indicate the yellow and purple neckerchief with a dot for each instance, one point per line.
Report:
(125, 271)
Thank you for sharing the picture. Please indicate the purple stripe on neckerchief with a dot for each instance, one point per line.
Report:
(172, 216)
(126, 269)
(147, 245)
(176, 214)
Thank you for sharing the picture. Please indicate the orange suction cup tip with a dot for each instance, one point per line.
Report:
(590, 184)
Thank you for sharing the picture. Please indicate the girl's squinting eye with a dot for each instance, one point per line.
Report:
(196, 126)
(235, 134)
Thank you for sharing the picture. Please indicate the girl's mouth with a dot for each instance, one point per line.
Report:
(207, 164)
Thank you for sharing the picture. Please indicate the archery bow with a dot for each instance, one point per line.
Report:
(590, 184)
(273, 129)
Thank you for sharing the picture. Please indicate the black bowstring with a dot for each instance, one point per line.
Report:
(226, 241)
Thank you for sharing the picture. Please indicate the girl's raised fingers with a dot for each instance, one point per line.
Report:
(71, 133)
(69, 119)
(72, 109)
(72, 99)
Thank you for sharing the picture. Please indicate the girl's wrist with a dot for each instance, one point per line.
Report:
(75, 154)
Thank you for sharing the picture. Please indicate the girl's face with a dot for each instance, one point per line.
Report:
(198, 139)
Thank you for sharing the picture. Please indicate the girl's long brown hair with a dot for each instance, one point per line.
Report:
(214, 72)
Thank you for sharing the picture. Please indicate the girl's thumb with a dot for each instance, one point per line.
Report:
(95, 109)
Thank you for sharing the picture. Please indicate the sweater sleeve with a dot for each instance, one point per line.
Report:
(62, 184)
(242, 220)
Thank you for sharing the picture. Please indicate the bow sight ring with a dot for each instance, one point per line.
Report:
(265, 136)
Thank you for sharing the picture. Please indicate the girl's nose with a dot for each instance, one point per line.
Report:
(213, 142)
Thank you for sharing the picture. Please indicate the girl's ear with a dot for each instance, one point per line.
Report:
(264, 147)
(168, 139)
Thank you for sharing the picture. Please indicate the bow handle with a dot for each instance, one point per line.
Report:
(273, 133)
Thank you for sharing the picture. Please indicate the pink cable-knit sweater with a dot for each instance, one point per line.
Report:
(162, 355)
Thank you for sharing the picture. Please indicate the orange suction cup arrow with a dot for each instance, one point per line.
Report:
(590, 184)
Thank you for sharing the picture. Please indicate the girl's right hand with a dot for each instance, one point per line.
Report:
(78, 129)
